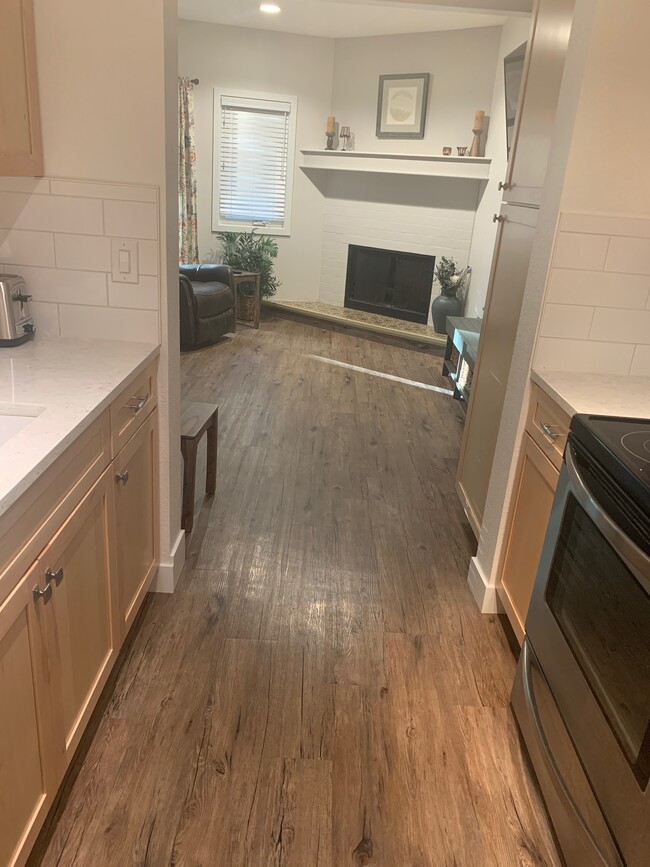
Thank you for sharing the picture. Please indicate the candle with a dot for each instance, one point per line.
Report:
(478, 120)
(331, 125)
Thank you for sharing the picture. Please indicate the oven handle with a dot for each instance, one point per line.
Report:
(548, 755)
(614, 535)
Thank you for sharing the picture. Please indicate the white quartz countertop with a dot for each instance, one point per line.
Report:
(596, 393)
(61, 386)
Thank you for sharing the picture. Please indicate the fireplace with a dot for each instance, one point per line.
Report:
(389, 283)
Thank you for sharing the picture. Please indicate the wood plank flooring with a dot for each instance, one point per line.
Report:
(321, 691)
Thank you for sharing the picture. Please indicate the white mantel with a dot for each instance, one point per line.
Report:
(472, 168)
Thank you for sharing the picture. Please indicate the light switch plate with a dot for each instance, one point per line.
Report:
(124, 260)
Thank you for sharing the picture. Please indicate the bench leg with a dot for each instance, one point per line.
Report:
(211, 472)
(188, 449)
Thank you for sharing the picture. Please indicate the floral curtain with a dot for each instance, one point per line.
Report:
(188, 246)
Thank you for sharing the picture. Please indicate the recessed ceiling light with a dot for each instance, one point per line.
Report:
(270, 8)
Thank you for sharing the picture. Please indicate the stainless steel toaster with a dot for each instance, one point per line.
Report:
(16, 323)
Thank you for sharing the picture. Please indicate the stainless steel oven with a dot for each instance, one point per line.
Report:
(582, 691)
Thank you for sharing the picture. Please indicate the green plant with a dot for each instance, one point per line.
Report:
(451, 279)
(248, 251)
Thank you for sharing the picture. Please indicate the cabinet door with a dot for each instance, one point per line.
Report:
(82, 626)
(21, 151)
(540, 91)
(494, 356)
(135, 479)
(532, 508)
(28, 757)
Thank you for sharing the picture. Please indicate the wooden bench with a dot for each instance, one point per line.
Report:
(197, 419)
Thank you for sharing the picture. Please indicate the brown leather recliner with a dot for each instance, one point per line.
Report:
(207, 304)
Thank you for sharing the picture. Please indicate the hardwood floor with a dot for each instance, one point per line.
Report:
(321, 691)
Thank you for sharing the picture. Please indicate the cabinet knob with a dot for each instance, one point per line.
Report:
(122, 477)
(138, 403)
(498, 218)
(57, 576)
(44, 593)
(503, 185)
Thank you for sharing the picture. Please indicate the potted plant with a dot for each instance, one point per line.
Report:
(452, 282)
(248, 251)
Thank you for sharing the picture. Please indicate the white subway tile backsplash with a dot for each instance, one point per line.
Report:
(143, 295)
(629, 256)
(583, 356)
(66, 287)
(623, 326)
(109, 322)
(641, 361)
(566, 320)
(602, 224)
(597, 288)
(148, 258)
(46, 318)
(18, 247)
(83, 252)
(131, 220)
(124, 192)
(33, 186)
(575, 250)
(51, 213)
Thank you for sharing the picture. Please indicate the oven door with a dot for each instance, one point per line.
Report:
(589, 626)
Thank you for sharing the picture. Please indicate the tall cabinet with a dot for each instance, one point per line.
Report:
(522, 190)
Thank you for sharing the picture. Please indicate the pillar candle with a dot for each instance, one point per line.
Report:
(478, 120)
(331, 125)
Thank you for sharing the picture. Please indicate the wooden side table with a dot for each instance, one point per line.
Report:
(248, 277)
(196, 419)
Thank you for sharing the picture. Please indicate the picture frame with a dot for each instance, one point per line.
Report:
(402, 105)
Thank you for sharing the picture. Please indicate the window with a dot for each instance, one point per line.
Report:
(254, 142)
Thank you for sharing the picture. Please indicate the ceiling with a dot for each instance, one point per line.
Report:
(338, 18)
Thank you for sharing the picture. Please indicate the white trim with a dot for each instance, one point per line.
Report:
(282, 102)
(170, 568)
(484, 593)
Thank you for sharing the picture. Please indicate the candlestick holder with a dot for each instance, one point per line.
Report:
(330, 141)
(475, 150)
(345, 135)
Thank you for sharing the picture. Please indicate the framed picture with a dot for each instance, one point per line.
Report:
(402, 105)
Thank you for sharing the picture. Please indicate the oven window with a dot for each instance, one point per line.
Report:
(604, 614)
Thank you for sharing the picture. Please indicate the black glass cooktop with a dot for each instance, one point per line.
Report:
(622, 447)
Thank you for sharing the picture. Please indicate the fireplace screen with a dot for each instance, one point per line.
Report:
(389, 283)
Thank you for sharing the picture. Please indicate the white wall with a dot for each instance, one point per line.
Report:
(256, 60)
(461, 63)
(514, 32)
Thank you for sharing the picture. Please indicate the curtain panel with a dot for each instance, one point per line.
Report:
(188, 242)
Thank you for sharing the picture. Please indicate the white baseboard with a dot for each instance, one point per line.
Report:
(484, 594)
(171, 567)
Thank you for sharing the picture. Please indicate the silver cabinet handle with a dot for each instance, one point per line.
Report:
(138, 404)
(44, 593)
(498, 218)
(548, 431)
(57, 576)
(504, 186)
(122, 477)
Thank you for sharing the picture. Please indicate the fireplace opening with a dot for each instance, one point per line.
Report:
(389, 283)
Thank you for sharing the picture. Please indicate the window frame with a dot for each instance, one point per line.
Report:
(218, 225)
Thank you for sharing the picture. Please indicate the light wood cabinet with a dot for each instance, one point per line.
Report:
(28, 758)
(494, 357)
(136, 518)
(82, 627)
(21, 150)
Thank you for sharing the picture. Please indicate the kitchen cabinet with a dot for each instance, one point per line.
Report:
(82, 627)
(136, 521)
(28, 759)
(21, 150)
(496, 345)
(537, 477)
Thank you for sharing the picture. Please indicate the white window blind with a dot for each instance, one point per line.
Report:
(255, 161)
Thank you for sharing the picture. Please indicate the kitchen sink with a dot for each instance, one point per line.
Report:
(16, 417)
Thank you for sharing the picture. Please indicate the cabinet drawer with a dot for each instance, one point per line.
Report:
(548, 425)
(132, 406)
(30, 524)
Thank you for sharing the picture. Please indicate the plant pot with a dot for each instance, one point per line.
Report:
(246, 307)
(443, 306)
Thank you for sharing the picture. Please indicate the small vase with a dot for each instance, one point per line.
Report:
(446, 304)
